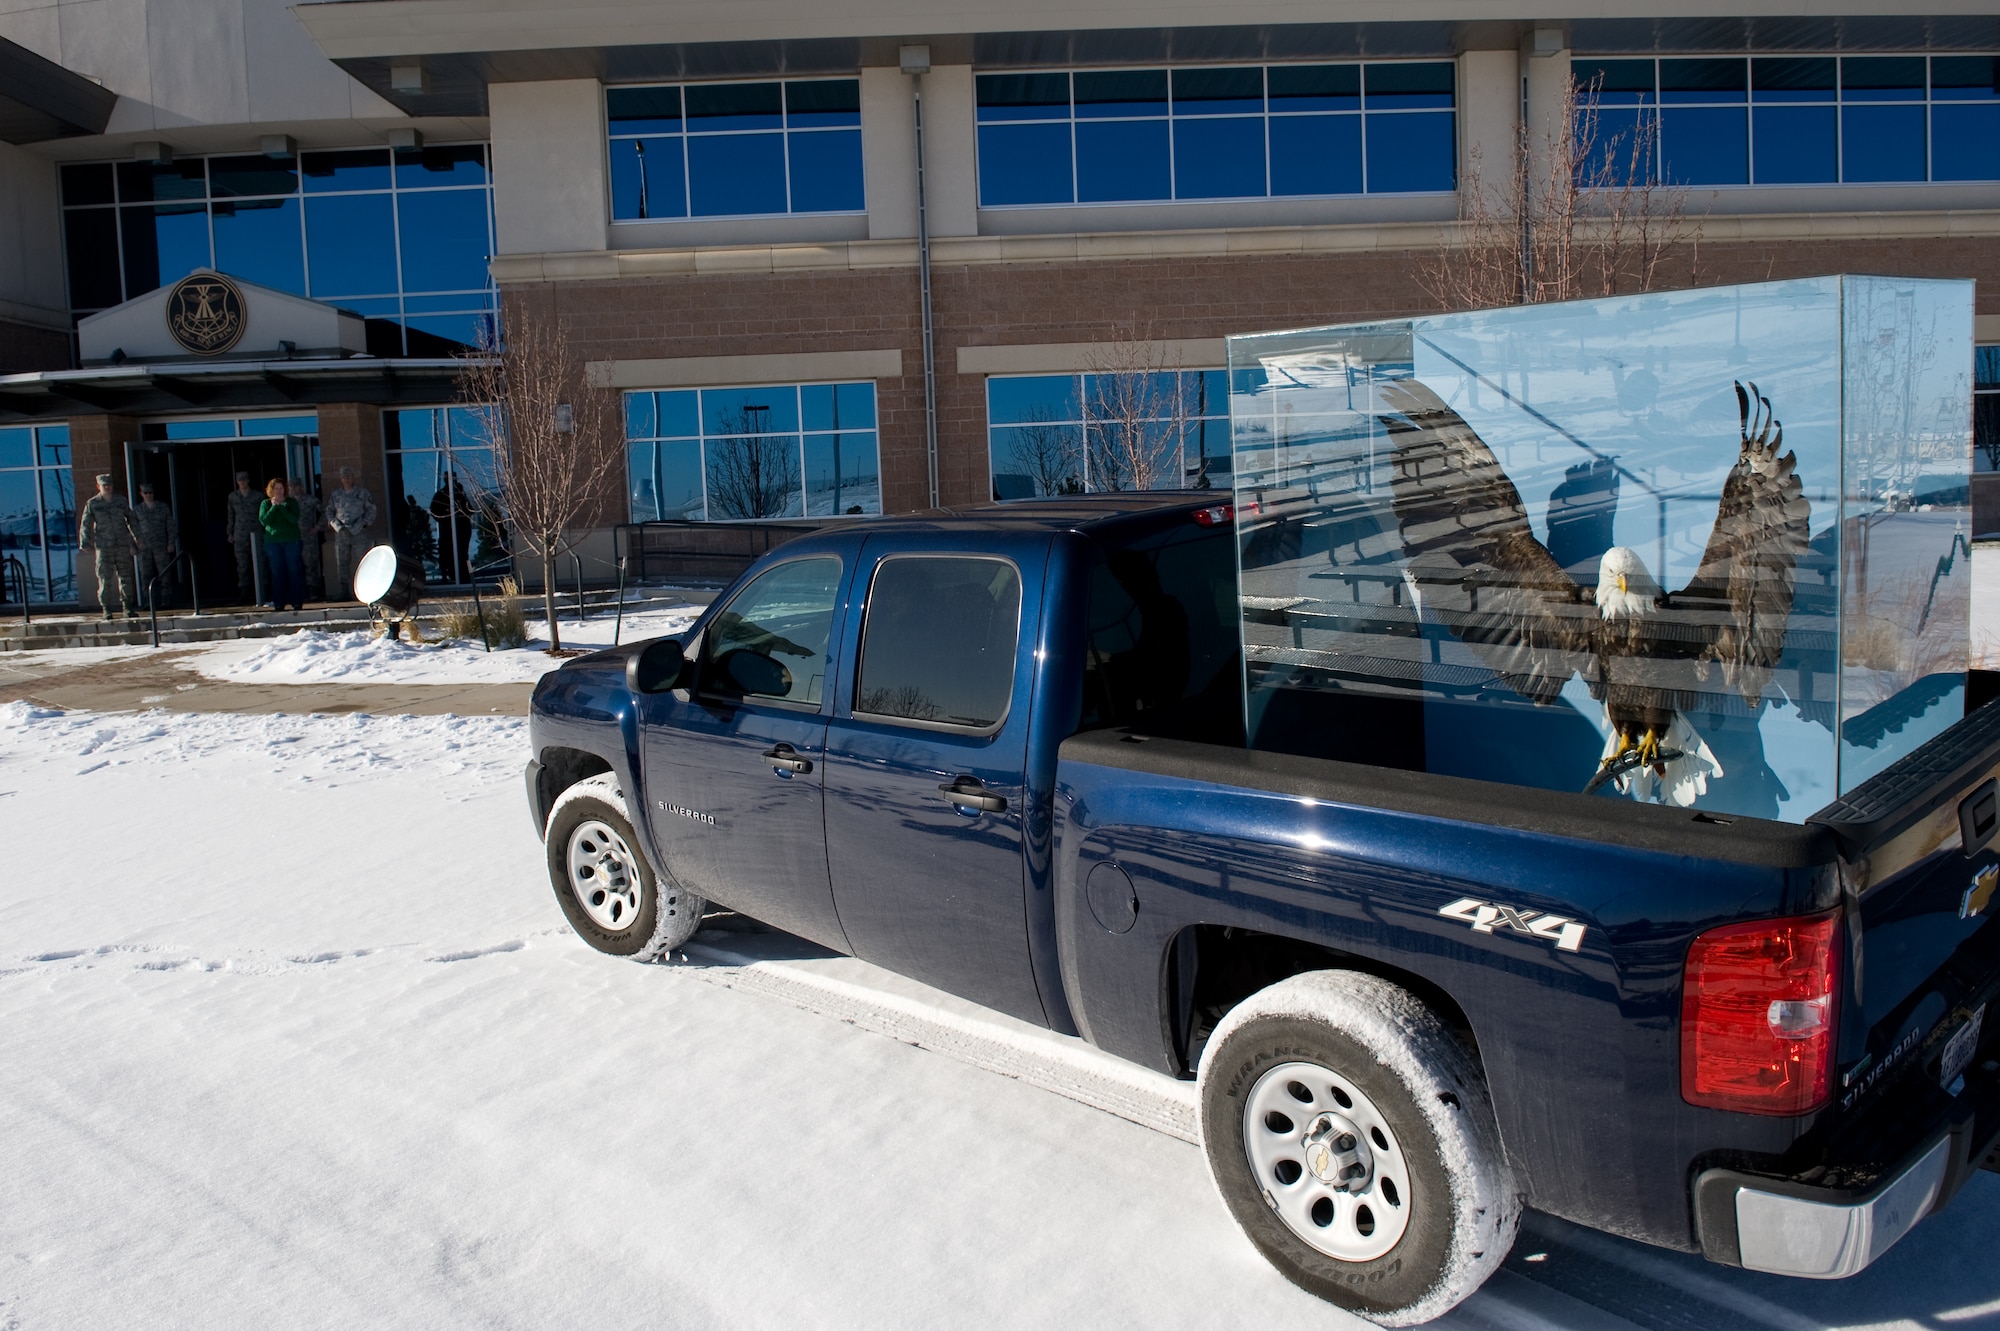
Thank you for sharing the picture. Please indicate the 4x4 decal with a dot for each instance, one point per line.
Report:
(1484, 917)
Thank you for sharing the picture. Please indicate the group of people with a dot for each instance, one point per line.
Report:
(286, 519)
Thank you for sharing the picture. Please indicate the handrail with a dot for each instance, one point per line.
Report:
(152, 590)
(577, 561)
(18, 568)
(714, 548)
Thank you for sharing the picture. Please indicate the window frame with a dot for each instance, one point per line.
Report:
(853, 702)
(685, 136)
(703, 661)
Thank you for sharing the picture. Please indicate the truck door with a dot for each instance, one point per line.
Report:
(733, 764)
(925, 766)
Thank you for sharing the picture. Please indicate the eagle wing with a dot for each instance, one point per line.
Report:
(1472, 552)
(1741, 596)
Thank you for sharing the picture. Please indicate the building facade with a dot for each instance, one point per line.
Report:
(836, 260)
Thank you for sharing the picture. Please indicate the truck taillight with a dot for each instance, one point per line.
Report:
(1220, 515)
(1757, 1009)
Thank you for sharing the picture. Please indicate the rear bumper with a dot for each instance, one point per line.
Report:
(1790, 1227)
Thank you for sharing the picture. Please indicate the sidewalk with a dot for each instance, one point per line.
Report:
(148, 678)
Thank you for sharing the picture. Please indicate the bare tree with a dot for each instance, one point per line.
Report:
(1050, 454)
(1138, 414)
(1574, 213)
(751, 474)
(555, 440)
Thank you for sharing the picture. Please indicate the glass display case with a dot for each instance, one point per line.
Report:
(1705, 548)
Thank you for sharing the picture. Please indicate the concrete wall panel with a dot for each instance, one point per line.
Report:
(549, 172)
(200, 72)
(31, 262)
(889, 153)
(950, 148)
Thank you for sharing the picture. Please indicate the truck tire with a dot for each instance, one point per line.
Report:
(605, 886)
(1350, 1134)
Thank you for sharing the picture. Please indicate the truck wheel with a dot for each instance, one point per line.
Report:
(1351, 1136)
(605, 886)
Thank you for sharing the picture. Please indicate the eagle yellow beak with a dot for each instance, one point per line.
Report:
(1621, 582)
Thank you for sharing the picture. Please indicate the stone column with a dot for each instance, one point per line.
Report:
(350, 435)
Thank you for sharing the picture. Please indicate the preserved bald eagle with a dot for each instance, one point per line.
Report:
(1475, 565)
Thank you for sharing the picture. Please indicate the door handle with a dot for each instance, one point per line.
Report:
(784, 758)
(966, 793)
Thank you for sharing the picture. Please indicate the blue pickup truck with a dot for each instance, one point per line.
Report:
(1001, 751)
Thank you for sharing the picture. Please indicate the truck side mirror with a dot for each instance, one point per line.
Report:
(656, 668)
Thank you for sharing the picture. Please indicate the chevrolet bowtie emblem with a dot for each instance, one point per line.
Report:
(1980, 895)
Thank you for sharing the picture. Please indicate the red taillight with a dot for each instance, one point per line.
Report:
(1221, 515)
(1757, 1010)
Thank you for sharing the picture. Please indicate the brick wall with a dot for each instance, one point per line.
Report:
(998, 304)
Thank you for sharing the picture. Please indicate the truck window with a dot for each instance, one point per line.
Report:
(939, 642)
(771, 641)
(1162, 639)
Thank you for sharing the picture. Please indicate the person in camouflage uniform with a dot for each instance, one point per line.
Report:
(312, 521)
(106, 526)
(350, 511)
(159, 535)
(240, 527)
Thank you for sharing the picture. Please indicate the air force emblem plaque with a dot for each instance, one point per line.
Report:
(205, 313)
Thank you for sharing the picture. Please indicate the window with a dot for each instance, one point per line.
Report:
(37, 514)
(443, 503)
(735, 149)
(771, 643)
(1796, 120)
(728, 454)
(1150, 135)
(1078, 433)
(401, 238)
(1163, 631)
(1986, 409)
(939, 642)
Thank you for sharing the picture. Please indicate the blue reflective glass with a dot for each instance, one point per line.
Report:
(54, 441)
(1965, 142)
(457, 303)
(1035, 461)
(1427, 85)
(387, 306)
(1315, 87)
(248, 177)
(1023, 96)
(725, 106)
(410, 429)
(1986, 367)
(1024, 164)
(1120, 92)
(359, 168)
(275, 425)
(59, 522)
(823, 103)
(677, 415)
(1121, 160)
(151, 182)
(1410, 153)
(1883, 143)
(1622, 149)
(1785, 79)
(351, 245)
(640, 420)
(204, 429)
(1219, 159)
(826, 171)
(1218, 92)
(444, 245)
(89, 183)
(1686, 82)
(1614, 82)
(17, 447)
(648, 179)
(674, 480)
(1794, 145)
(643, 110)
(163, 244)
(90, 244)
(1705, 145)
(434, 168)
(736, 175)
(843, 475)
(1209, 391)
(20, 528)
(259, 241)
(750, 410)
(1033, 398)
(753, 477)
(1965, 78)
(838, 406)
(1882, 78)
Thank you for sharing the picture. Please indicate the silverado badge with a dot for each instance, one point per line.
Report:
(1484, 918)
(1980, 895)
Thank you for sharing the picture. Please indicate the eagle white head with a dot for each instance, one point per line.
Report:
(1625, 590)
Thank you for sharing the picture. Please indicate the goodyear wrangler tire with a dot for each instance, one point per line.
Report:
(602, 880)
(1350, 1134)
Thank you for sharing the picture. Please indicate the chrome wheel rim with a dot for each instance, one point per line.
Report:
(1327, 1162)
(604, 875)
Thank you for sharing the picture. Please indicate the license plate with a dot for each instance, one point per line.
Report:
(1959, 1048)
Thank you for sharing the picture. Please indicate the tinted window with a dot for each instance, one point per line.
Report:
(771, 642)
(939, 642)
(1162, 627)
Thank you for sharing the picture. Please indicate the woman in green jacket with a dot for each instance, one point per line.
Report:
(279, 516)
